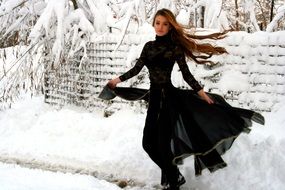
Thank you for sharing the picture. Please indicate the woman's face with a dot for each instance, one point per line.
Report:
(161, 25)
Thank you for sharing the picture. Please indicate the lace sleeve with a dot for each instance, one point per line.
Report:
(138, 66)
(187, 76)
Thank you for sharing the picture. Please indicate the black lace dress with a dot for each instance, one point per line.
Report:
(178, 122)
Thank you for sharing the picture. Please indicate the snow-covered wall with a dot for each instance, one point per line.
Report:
(253, 73)
(250, 76)
(80, 82)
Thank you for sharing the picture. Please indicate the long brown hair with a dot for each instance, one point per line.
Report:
(187, 41)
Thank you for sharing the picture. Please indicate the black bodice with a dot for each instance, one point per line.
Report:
(159, 57)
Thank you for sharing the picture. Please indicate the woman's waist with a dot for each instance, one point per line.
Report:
(161, 85)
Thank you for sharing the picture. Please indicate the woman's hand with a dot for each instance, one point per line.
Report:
(113, 83)
(205, 97)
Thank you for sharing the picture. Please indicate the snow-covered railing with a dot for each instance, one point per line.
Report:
(253, 73)
(250, 76)
(79, 82)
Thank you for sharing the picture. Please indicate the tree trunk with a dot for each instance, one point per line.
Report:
(237, 15)
(202, 16)
(271, 12)
(75, 5)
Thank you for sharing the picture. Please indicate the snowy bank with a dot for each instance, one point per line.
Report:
(74, 140)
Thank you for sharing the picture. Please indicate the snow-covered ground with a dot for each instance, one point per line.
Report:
(90, 149)
(84, 144)
(13, 177)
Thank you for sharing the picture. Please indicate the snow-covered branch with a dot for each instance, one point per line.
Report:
(249, 7)
(280, 15)
(214, 16)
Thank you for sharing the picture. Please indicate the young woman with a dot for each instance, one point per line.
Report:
(179, 122)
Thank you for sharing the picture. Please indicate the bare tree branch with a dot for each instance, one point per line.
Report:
(262, 13)
(75, 5)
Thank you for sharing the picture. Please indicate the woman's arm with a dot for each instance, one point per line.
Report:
(189, 78)
(187, 75)
(132, 72)
(129, 74)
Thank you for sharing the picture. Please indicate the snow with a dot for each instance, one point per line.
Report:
(13, 177)
(277, 17)
(233, 80)
(249, 7)
(168, 4)
(73, 139)
(73, 148)
(183, 17)
(9, 5)
(214, 16)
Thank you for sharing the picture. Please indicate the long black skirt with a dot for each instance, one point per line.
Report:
(204, 130)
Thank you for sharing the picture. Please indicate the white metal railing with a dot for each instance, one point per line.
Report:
(250, 76)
